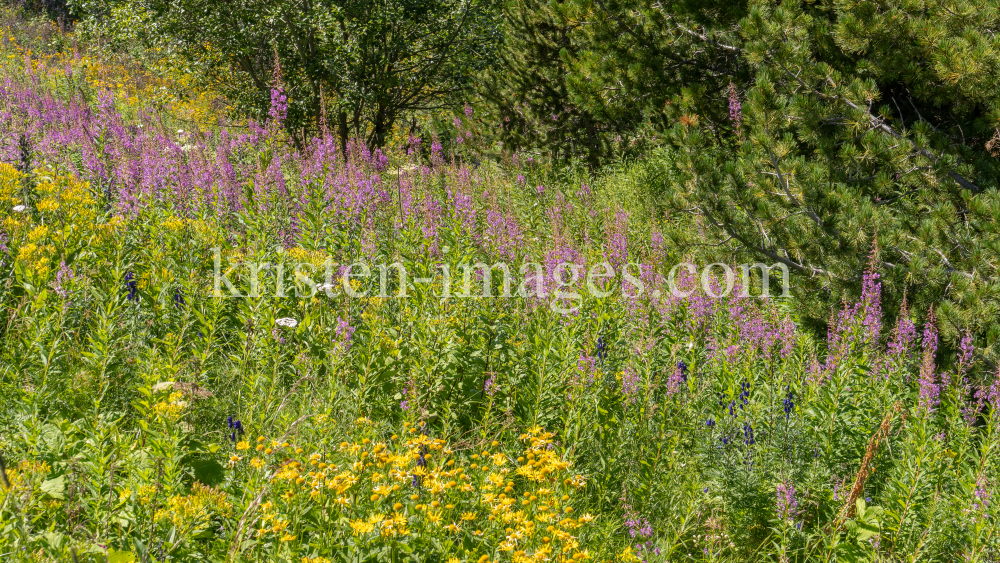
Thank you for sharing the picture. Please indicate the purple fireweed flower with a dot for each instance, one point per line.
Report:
(343, 332)
(903, 335)
(871, 294)
(586, 369)
(676, 379)
(413, 145)
(970, 410)
(63, 277)
(787, 505)
(966, 350)
(490, 386)
(630, 383)
(992, 395)
(981, 497)
(929, 387)
(277, 335)
(437, 156)
(617, 240)
(279, 106)
(735, 110)
(657, 241)
(638, 526)
(858, 322)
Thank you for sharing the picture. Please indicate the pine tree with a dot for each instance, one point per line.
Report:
(529, 91)
(803, 132)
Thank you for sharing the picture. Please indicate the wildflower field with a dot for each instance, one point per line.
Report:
(186, 374)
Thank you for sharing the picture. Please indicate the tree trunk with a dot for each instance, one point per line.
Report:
(342, 131)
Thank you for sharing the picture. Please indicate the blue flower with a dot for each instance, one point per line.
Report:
(710, 423)
(131, 287)
(235, 426)
(748, 434)
(683, 368)
(789, 404)
(601, 350)
(421, 461)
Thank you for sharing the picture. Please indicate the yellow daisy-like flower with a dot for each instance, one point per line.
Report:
(628, 555)
(360, 527)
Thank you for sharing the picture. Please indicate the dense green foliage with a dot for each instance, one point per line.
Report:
(801, 132)
(192, 370)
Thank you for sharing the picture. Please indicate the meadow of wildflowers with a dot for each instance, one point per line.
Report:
(144, 418)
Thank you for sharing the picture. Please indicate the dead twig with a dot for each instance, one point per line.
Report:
(861, 478)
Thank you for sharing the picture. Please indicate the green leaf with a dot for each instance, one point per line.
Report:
(54, 487)
(120, 556)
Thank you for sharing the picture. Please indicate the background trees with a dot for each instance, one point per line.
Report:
(803, 132)
(359, 64)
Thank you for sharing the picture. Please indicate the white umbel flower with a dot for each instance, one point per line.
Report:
(287, 322)
(20, 209)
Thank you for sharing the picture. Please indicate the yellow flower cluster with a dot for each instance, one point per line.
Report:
(67, 199)
(189, 230)
(172, 407)
(22, 477)
(192, 513)
(162, 82)
(316, 258)
(415, 489)
(10, 185)
(10, 179)
(66, 213)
